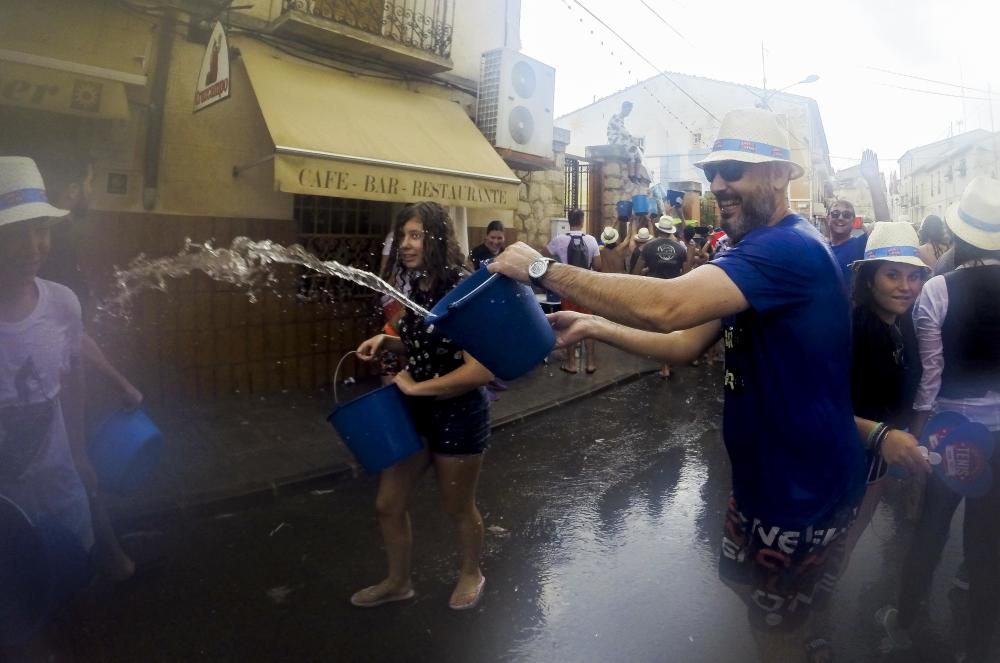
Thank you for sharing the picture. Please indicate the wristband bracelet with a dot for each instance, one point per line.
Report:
(874, 433)
(884, 433)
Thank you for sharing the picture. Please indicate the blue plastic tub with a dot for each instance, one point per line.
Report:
(125, 450)
(640, 204)
(377, 428)
(498, 321)
(624, 209)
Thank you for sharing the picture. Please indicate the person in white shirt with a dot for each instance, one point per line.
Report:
(957, 322)
(579, 249)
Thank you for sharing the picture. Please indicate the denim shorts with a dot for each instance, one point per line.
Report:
(457, 426)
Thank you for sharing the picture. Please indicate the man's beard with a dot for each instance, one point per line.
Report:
(756, 210)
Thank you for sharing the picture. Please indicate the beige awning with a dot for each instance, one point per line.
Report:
(357, 137)
(53, 90)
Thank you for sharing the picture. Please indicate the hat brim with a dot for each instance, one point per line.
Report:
(29, 211)
(906, 260)
(748, 157)
(982, 239)
(671, 230)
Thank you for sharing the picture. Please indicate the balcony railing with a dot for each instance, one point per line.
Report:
(422, 24)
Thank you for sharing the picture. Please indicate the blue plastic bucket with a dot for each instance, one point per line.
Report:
(624, 209)
(498, 321)
(125, 450)
(640, 204)
(377, 428)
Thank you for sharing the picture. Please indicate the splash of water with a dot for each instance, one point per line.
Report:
(245, 263)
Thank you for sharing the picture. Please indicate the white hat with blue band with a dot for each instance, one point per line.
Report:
(893, 241)
(752, 136)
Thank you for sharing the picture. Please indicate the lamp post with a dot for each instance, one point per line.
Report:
(765, 99)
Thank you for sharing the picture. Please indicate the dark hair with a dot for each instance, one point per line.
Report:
(932, 230)
(494, 225)
(861, 285)
(965, 252)
(444, 262)
(575, 217)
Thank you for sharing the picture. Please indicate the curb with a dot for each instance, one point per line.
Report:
(212, 504)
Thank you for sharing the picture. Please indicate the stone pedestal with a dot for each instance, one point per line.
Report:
(691, 207)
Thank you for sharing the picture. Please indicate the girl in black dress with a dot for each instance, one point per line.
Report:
(445, 393)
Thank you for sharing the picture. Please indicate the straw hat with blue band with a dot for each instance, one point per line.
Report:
(22, 192)
(893, 241)
(752, 136)
(976, 217)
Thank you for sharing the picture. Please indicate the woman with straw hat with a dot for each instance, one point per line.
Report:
(885, 365)
(957, 320)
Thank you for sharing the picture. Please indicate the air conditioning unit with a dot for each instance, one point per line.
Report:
(514, 106)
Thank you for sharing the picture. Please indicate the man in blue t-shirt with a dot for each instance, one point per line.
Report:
(777, 299)
(846, 249)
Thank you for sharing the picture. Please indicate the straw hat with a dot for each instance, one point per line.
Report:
(22, 192)
(893, 241)
(976, 217)
(752, 136)
(643, 235)
(667, 224)
(610, 235)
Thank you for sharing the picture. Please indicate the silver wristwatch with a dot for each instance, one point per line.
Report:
(538, 269)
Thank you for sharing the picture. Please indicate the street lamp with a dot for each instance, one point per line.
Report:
(766, 98)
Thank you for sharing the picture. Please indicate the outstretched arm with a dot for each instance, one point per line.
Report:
(661, 305)
(869, 170)
(679, 347)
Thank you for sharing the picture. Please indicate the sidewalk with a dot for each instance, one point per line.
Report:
(236, 450)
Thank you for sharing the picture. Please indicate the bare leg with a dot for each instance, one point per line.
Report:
(873, 495)
(394, 489)
(111, 559)
(458, 477)
(591, 357)
(570, 364)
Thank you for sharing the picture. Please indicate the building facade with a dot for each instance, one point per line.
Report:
(678, 118)
(932, 177)
(333, 115)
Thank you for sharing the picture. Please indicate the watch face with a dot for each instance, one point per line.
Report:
(537, 268)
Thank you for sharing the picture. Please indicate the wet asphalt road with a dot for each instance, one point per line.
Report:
(603, 526)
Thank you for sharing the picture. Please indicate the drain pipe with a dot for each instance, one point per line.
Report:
(158, 96)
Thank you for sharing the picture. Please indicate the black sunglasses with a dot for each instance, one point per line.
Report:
(837, 214)
(731, 171)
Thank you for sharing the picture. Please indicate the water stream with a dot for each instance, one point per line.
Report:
(245, 263)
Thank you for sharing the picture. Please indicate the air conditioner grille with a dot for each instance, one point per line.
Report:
(488, 101)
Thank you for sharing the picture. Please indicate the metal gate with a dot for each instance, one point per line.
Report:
(577, 185)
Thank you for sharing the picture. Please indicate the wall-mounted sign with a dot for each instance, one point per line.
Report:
(214, 82)
(41, 88)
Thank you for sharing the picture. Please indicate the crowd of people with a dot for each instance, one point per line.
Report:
(837, 352)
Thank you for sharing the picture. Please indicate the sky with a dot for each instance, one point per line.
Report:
(872, 58)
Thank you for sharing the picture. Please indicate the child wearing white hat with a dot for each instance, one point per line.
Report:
(42, 451)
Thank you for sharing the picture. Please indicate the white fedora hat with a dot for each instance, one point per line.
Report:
(976, 217)
(643, 235)
(893, 241)
(752, 136)
(667, 224)
(610, 235)
(22, 192)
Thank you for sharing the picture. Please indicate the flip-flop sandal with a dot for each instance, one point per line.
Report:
(473, 601)
(563, 368)
(360, 601)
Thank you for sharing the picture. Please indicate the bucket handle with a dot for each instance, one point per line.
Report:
(461, 301)
(336, 374)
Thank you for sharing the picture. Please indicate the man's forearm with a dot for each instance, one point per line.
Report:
(678, 347)
(879, 203)
(634, 301)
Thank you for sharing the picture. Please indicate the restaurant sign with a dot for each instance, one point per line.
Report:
(214, 82)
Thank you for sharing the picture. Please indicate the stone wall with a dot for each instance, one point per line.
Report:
(543, 198)
(612, 160)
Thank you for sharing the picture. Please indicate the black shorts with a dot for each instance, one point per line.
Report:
(458, 426)
(782, 574)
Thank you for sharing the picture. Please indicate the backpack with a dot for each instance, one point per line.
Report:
(577, 253)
